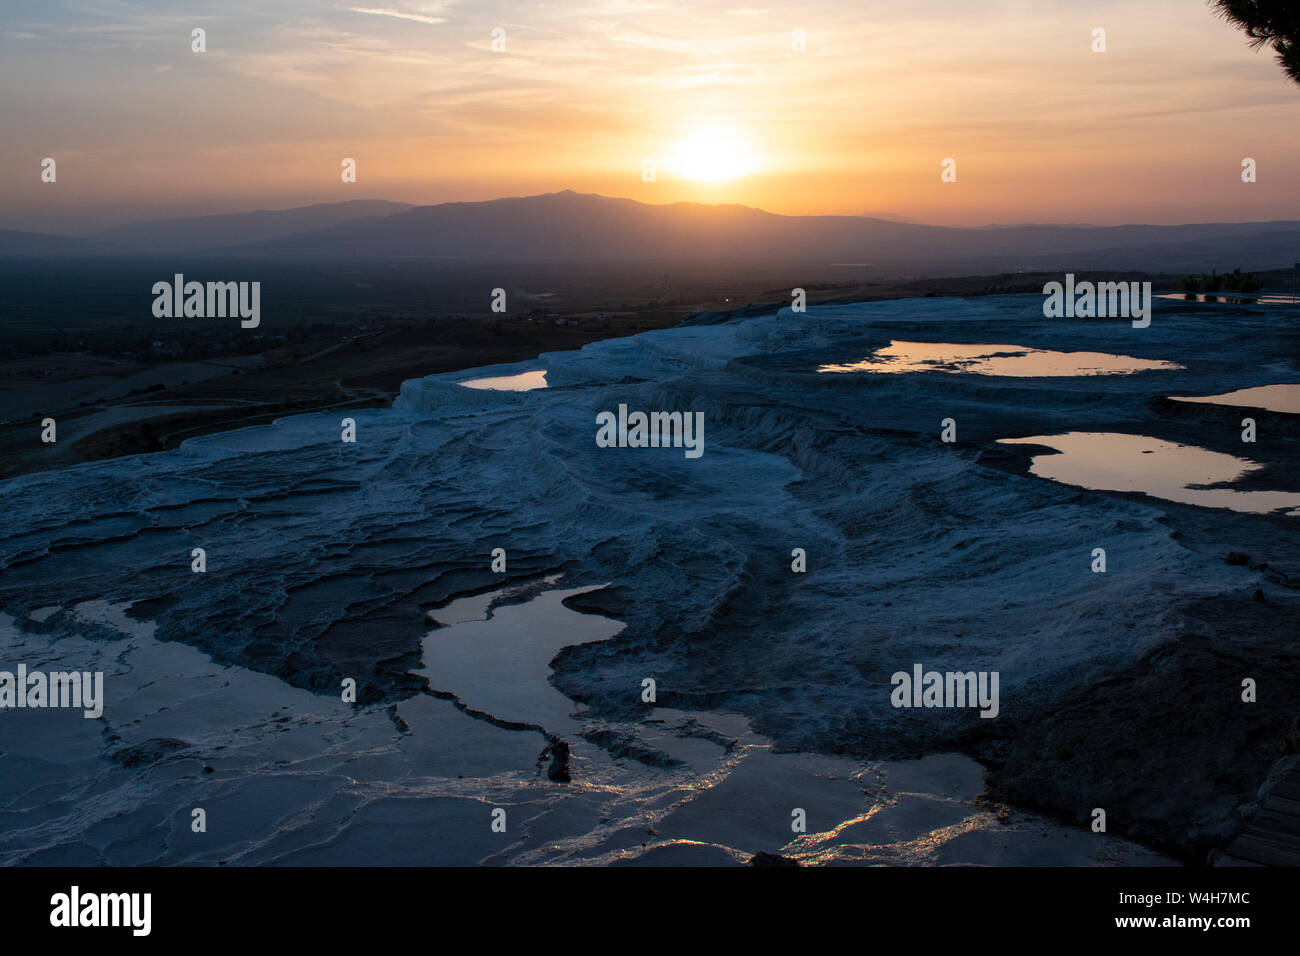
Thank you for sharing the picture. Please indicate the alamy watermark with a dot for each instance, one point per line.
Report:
(213, 300)
(651, 430)
(75, 689)
(74, 909)
(951, 689)
(1102, 300)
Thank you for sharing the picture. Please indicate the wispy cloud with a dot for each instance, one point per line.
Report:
(400, 14)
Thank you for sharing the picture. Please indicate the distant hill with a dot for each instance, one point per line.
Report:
(574, 227)
(14, 243)
(568, 228)
(891, 217)
(194, 233)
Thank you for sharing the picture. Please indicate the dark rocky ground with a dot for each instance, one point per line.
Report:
(1120, 691)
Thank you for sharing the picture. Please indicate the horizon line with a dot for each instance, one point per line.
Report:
(412, 206)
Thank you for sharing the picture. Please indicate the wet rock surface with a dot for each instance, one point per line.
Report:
(325, 559)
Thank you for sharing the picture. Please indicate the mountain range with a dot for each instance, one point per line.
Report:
(569, 227)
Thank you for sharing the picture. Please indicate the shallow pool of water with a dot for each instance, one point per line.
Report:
(1230, 298)
(1007, 360)
(1111, 461)
(1275, 398)
(497, 658)
(523, 382)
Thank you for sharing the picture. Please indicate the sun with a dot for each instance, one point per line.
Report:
(712, 155)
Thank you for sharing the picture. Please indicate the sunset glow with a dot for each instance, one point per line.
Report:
(713, 154)
(837, 108)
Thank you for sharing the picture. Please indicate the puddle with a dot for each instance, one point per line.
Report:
(1110, 461)
(523, 382)
(1274, 398)
(300, 778)
(1230, 298)
(499, 660)
(1017, 361)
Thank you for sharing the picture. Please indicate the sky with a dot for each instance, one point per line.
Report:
(717, 99)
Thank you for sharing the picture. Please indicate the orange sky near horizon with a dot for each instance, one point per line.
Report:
(1041, 127)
